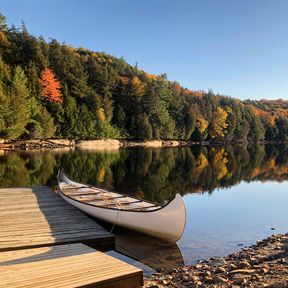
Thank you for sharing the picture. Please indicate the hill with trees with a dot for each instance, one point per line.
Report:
(48, 89)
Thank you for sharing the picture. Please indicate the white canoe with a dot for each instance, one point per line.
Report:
(166, 222)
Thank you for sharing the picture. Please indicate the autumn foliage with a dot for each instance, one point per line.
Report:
(51, 87)
(105, 97)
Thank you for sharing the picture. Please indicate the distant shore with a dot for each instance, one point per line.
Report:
(107, 144)
(262, 265)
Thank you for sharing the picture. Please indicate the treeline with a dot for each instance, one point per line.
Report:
(155, 174)
(55, 90)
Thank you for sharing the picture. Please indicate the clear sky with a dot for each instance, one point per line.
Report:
(235, 47)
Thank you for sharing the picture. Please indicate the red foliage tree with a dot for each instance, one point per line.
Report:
(51, 87)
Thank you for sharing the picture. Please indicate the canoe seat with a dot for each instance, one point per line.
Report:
(79, 187)
(100, 198)
(82, 193)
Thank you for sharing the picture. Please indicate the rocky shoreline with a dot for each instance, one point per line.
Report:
(262, 265)
(104, 144)
(107, 144)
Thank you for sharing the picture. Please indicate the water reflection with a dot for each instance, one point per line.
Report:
(215, 225)
(153, 252)
(153, 174)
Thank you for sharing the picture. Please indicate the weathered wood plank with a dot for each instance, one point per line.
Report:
(74, 265)
(32, 217)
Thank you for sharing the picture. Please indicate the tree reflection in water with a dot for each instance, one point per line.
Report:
(153, 174)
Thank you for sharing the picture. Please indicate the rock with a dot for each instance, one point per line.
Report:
(220, 270)
(194, 278)
(243, 271)
(232, 266)
(264, 265)
(218, 262)
(264, 270)
(240, 281)
(255, 276)
(219, 280)
(208, 273)
(64, 142)
(171, 143)
(244, 264)
(151, 143)
(185, 278)
(151, 284)
(108, 144)
(164, 282)
(285, 247)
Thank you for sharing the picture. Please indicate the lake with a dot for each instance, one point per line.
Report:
(234, 195)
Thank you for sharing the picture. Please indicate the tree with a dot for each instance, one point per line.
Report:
(218, 124)
(144, 128)
(18, 115)
(43, 126)
(138, 87)
(51, 87)
(3, 107)
(4, 100)
(282, 126)
(231, 124)
(3, 25)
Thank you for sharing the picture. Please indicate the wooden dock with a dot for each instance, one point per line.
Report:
(35, 217)
(73, 265)
(39, 244)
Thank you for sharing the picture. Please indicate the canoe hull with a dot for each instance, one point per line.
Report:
(167, 222)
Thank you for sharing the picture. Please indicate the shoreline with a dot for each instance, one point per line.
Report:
(109, 144)
(262, 265)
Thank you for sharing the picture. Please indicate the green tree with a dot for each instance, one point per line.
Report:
(144, 127)
(18, 116)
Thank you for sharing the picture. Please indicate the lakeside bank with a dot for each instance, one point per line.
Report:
(107, 144)
(262, 265)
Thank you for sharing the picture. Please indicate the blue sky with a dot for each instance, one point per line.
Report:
(235, 47)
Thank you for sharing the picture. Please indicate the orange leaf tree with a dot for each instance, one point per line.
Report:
(51, 87)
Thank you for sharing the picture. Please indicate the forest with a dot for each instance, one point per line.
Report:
(53, 90)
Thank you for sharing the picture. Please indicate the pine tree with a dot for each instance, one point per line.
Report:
(47, 124)
(3, 108)
(18, 116)
(144, 128)
(4, 100)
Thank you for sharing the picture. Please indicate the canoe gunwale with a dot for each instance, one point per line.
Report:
(110, 208)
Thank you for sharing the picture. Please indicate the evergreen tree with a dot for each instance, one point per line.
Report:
(145, 128)
(18, 115)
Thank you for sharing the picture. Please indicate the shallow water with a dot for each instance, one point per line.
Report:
(234, 195)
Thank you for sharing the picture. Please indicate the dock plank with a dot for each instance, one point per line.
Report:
(72, 265)
(37, 216)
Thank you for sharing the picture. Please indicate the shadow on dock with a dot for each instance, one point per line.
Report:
(38, 217)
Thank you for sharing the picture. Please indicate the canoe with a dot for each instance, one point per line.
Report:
(166, 222)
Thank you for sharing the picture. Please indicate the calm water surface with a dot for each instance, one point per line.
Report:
(234, 195)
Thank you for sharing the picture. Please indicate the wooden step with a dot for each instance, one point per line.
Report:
(74, 265)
